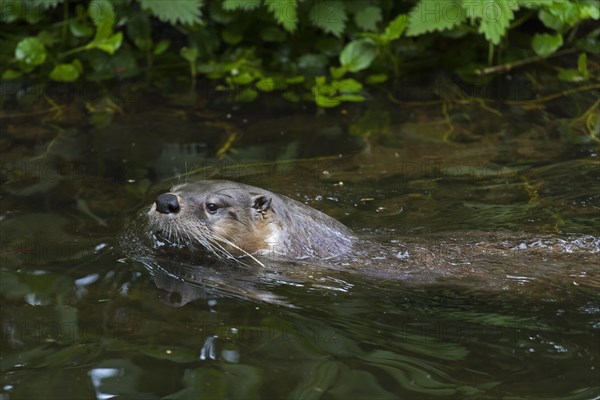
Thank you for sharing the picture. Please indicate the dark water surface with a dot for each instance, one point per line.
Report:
(510, 201)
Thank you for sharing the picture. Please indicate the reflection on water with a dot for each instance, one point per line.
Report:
(478, 277)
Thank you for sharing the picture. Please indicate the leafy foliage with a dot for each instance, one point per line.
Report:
(435, 15)
(493, 16)
(285, 12)
(174, 11)
(330, 16)
(326, 51)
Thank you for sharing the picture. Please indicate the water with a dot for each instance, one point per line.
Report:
(509, 203)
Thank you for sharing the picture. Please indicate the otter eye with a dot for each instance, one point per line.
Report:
(212, 207)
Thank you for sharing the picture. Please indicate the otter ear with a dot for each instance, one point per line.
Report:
(261, 204)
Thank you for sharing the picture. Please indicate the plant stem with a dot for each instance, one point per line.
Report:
(502, 68)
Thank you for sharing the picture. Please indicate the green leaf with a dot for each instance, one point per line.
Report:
(377, 78)
(187, 12)
(570, 75)
(101, 12)
(545, 44)
(247, 95)
(435, 15)
(30, 51)
(351, 97)
(550, 20)
(368, 18)
(576, 75)
(10, 74)
(582, 65)
(189, 53)
(358, 54)
(243, 79)
(494, 16)
(337, 73)
(270, 84)
(80, 29)
(589, 11)
(109, 45)
(285, 12)
(326, 102)
(244, 5)
(161, 47)
(395, 29)
(348, 86)
(65, 73)
(330, 16)
(266, 85)
(295, 80)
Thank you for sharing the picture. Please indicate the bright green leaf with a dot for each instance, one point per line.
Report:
(65, 73)
(270, 84)
(326, 102)
(109, 45)
(358, 54)
(545, 44)
(395, 29)
(285, 12)
(186, 12)
(435, 15)
(589, 11)
(243, 79)
(30, 51)
(368, 18)
(348, 86)
(330, 16)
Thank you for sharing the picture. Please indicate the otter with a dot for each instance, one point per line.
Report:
(234, 223)
(230, 219)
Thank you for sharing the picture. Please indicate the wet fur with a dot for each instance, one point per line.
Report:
(249, 221)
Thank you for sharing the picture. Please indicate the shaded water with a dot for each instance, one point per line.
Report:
(509, 203)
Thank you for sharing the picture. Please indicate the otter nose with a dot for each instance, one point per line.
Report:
(167, 203)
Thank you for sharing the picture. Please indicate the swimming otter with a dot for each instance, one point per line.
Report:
(231, 219)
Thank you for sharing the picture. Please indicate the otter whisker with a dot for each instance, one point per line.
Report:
(228, 242)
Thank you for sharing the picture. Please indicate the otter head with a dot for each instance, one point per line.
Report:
(225, 218)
